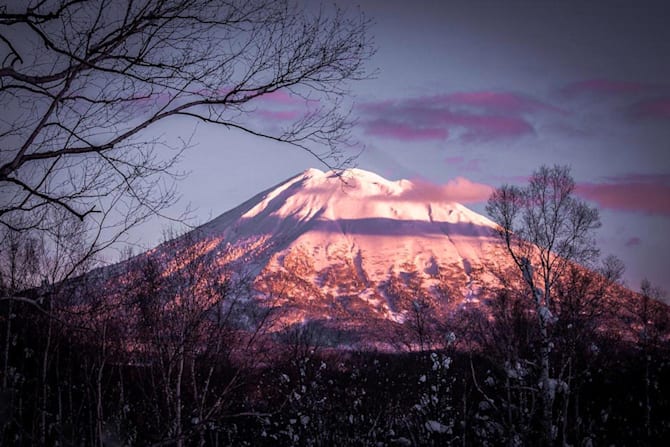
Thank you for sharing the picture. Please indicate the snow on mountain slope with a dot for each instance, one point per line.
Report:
(352, 246)
(326, 214)
(370, 263)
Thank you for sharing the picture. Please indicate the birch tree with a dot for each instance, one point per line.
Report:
(545, 230)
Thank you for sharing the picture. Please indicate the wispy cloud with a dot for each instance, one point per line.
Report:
(633, 241)
(603, 87)
(653, 108)
(404, 132)
(279, 115)
(502, 102)
(460, 190)
(469, 116)
(282, 105)
(285, 98)
(647, 194)
(466, 191)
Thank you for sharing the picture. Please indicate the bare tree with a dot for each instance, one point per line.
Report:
(86, 84)
(545, 230)
(652, 324)
(183, 317)
(32, 265)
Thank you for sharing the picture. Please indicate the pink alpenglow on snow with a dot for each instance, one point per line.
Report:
(354, 230)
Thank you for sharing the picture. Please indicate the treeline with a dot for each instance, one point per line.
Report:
(151, 366)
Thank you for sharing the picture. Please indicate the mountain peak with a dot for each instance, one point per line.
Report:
(352, 245)
(312, 172)
(352, 182)
(355, 196)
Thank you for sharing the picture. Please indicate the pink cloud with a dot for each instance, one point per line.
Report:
(472, 116)
(282, 105)
(637, 193)
(640, 178)
(466, 191)
(633, 241)
(279, 99)
(497, 101)
(459, 190)
(404, 132)
(285, 98)
(657, 108)
(478, 128)
(603, 87)
(279, 115)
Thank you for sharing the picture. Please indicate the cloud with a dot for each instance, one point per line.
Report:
(459, 190)
(466, 191)
(633, 241)
(647, 194)
(282, 105)
(279, 115)
(498, 102)
(603, 87)
(656, 108)
(285, 98)
(404, 132)
(483, 128)
(470, 116)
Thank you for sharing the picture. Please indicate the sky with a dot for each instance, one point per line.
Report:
(474, 94)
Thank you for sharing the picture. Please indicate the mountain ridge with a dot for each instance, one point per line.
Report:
(362, 258)
(327, 246)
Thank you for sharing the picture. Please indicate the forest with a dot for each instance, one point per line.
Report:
(150, 359)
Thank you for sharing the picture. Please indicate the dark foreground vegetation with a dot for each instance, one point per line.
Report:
(165, 349)
(65, 384)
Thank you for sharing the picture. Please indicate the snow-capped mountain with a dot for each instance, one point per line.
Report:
(352, 249)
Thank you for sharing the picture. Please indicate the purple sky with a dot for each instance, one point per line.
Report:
(474, 94)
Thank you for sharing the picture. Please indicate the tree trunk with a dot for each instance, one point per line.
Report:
(45, 386)
(98, 387)
(178, 422)
(647, 397)
(8, 336)
(546, 394)
(566, 405)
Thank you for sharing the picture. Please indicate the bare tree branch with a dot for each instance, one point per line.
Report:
(86, 84)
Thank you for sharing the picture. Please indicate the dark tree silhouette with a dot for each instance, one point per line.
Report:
(545, 230)
(84, 85)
